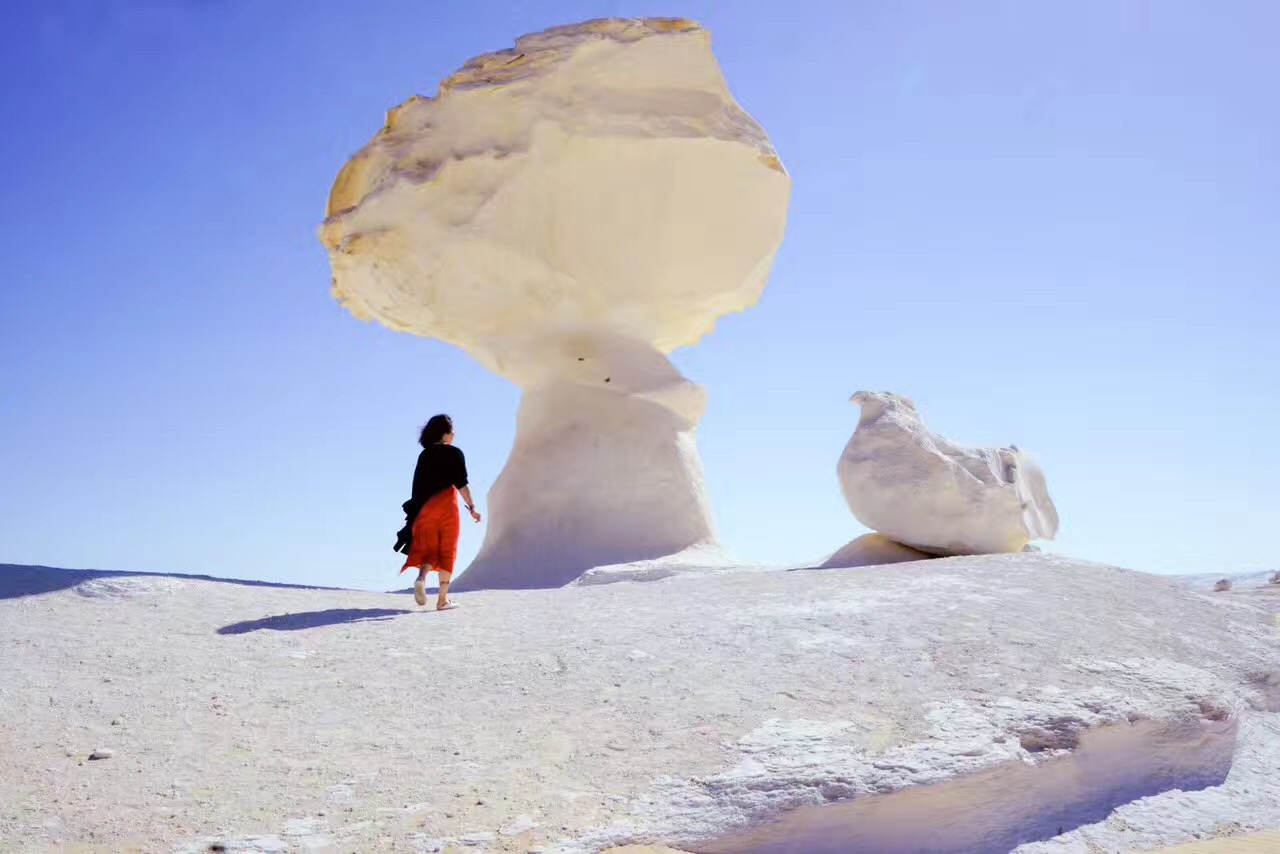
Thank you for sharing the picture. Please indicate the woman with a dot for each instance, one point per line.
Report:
(431, 532)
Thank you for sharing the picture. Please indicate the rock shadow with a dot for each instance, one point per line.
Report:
(18, 580)
(313, 620)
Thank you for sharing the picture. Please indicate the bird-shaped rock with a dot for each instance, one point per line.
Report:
(925, 491)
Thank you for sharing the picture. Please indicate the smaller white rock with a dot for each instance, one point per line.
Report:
(925, 491)
(102, 753)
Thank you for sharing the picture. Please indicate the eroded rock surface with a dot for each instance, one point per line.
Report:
(677, 712)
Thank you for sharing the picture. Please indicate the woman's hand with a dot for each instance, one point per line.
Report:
(469, 503)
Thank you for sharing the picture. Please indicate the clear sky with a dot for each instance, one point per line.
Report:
(1053, 224)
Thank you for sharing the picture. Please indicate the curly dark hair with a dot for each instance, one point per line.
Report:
(434, 430)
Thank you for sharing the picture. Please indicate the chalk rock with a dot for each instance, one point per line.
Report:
(126, 587)
(872, 550)
(697, 560)
(855, 707)
(568, 212)
(927, 492)
(1248, 582)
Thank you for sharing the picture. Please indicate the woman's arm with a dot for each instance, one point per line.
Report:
(460, 481)
(471, 505)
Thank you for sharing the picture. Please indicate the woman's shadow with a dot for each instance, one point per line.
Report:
(313, 619)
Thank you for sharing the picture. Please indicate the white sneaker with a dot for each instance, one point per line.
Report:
(420, 591)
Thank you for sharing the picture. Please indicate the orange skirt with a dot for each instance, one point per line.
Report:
(435, 533)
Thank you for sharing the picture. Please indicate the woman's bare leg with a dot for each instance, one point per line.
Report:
(442, 601)
(420, 586)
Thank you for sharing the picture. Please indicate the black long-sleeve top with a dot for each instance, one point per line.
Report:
(439, 467)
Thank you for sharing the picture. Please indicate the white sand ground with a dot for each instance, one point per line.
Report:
(692, 711)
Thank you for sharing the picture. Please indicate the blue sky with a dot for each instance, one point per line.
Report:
(1054, 224)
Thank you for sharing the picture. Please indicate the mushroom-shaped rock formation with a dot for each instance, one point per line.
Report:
(927, 492)
(569, 212)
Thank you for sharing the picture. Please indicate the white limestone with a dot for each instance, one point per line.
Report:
(871, 550)
(936, 702)
(127, 587)
(568, 212)
(1239, 581)
(925, 491)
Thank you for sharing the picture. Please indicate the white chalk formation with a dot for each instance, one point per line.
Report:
(871, 550)
(965, 691)
(568, 212)
(927, 492)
